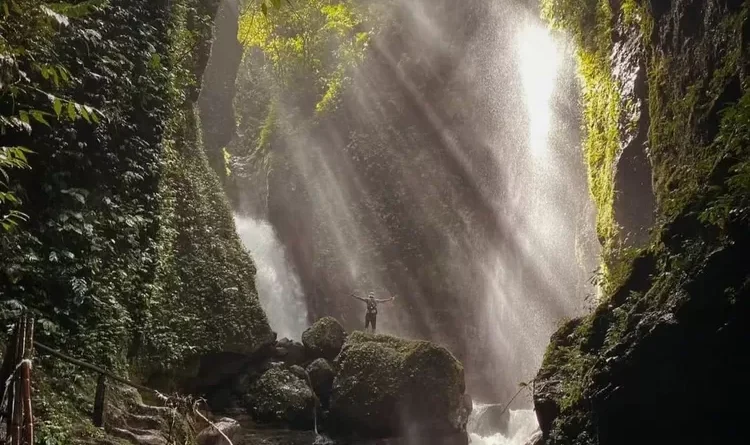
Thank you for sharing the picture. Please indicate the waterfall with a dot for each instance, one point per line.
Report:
(521, 426)
(450, 174)
(278, 286)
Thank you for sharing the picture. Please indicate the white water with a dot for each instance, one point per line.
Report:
(521, 427)
(278, 286)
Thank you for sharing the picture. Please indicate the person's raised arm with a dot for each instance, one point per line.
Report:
(358, 298)
(387, 299)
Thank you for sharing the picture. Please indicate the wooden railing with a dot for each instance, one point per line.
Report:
(15, 376)
(16, 417)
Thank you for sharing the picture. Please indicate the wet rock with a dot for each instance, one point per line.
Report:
(280, 396)
(634, 200)
(139, 437)
(535, 439)
(216, 96)
(321, 377)
(387, 386)
(290, 352)
(467, 407)
(211, 435)
(300, 372)
(324, 338)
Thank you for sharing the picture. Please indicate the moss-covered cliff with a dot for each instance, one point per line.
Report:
(661, 359)
(129, 257)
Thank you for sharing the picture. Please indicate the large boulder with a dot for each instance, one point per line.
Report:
(388, 386)
(280, 396)
(324, 338)
(321, 377)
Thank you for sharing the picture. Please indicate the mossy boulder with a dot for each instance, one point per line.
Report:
(321, 377)
(279, 396)
(324, 338)
(387, 386)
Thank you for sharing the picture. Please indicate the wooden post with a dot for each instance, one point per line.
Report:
(101, 388)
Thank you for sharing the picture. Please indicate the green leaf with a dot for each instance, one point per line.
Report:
(72, 111)
(84, 113)
(39, 117)
(155, 60)
(24, 116)
(64, 73)
(264, 9)
(57, 105)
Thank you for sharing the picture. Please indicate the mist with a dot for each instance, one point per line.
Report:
(450, 175)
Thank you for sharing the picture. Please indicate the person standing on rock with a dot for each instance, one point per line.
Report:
(371, 316)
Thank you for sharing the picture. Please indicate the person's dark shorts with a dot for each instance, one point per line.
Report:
(371, 319)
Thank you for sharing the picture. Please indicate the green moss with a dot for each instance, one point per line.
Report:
(281, 396)
(324, 338)
(203, 263)
(381, 378)
(591, 23)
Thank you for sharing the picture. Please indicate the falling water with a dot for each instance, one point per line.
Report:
(522, 425)
(278, 286)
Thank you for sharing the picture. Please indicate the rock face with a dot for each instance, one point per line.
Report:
(388, 386)
(646, 366)
(280, 396)
(324, 338)
(217, 94)
(321, 376)
(634, 201)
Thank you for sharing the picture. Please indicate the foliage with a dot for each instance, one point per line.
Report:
(119, 198)
(296, 47)
(732, 202)
(30, 84)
